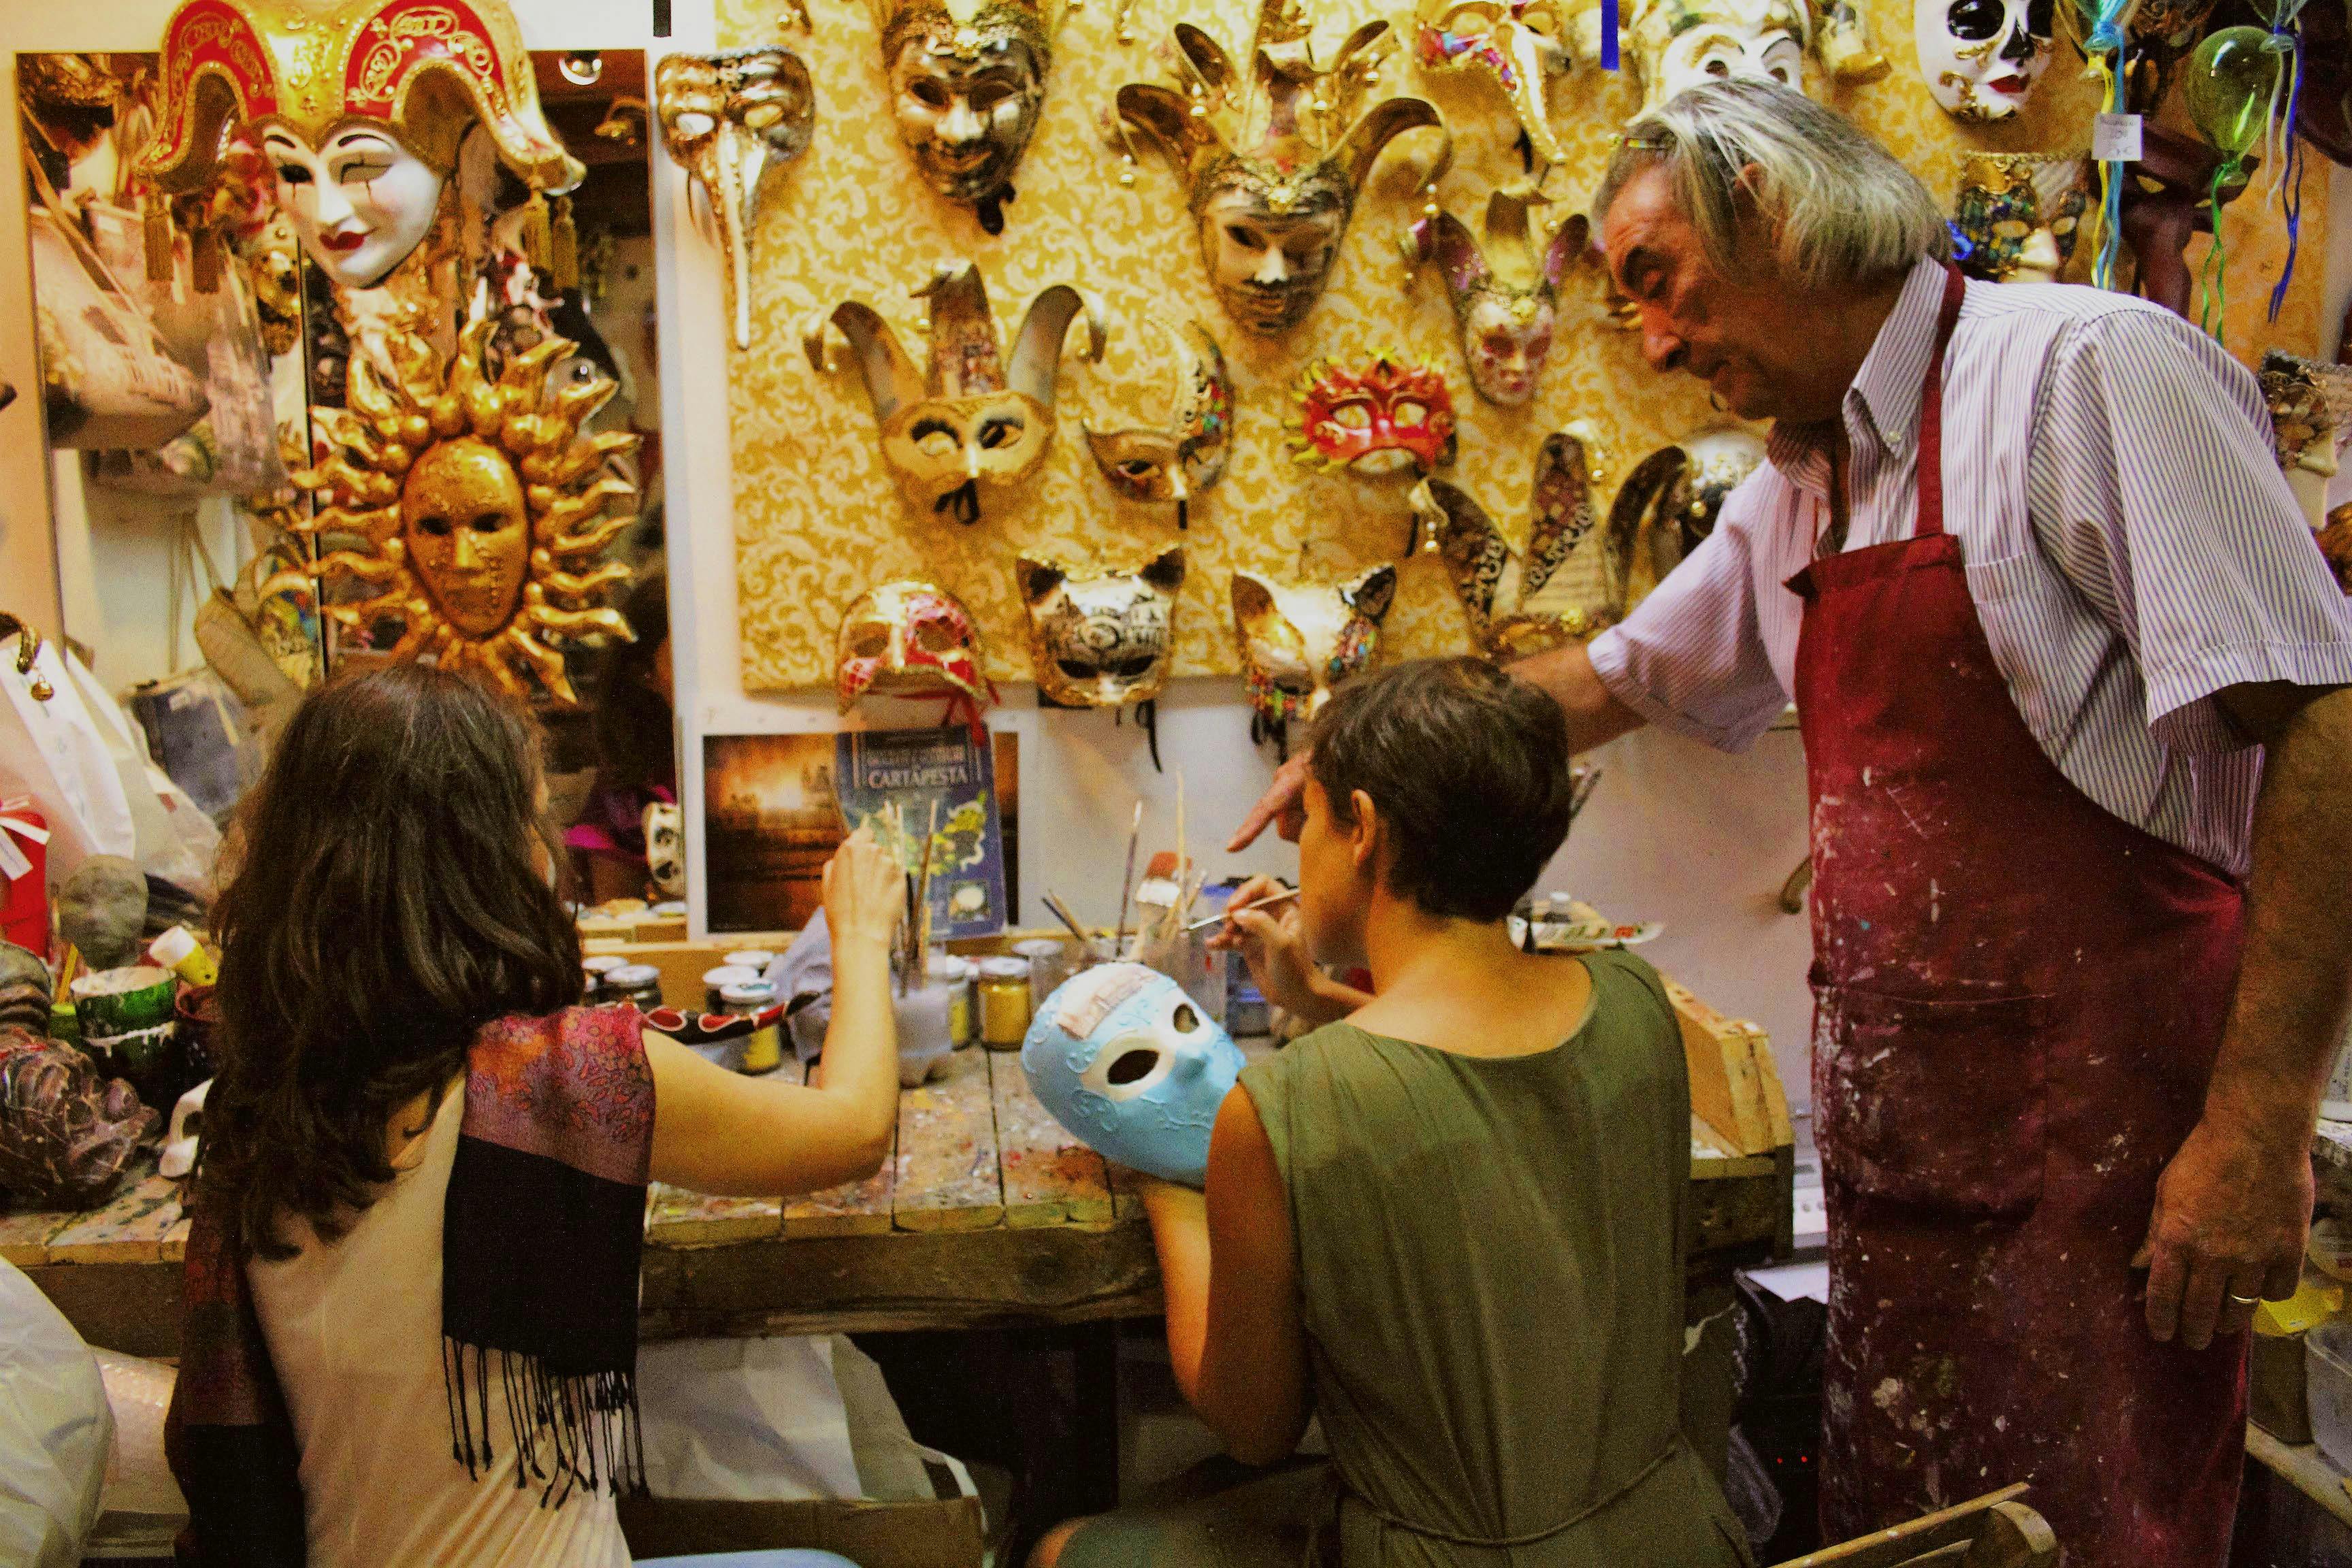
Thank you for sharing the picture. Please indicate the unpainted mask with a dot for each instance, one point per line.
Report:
(732, 121)
(1981, 58)
(2020, 214)
(909, 640)
(467, 534)
(1389, 416)
(1175, 460)
(1101, 639)
(1503, 589)
(1299, 641)
(1131, 1068)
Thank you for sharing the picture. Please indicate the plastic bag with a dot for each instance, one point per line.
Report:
(56, 1427)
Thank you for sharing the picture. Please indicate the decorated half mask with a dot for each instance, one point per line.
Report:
(1519, 45)
(1981, 58)
(2018, 214)
(1390, 415)
(1300, 642)
(1677, 44)
(2311, 419)
(1178, 459)
(1133, 1068)
(480, 507)
(1505, 293)
(1101, 639)
(1272, 151)
(1502, 588)
(665, 829)
(733, 122)
(967, 83)
(970, 420)
(910, 639)
(1668, 504)
(359, 105)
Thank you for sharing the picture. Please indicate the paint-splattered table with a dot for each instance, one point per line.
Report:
(986, 1212)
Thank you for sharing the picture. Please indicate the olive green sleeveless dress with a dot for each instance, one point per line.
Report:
(1492, 1283)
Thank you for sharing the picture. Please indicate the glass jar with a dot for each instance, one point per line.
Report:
(1003, 1003)
(636, 982)
(715, 982)
(963, 1015)
(925, 1017)
(599, 967)
(1050, 962)
(764, 1048)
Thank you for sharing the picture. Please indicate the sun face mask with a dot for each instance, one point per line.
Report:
(967, 84)
(1133, 1068)
(1502, 588)
(1390, 415)
(2311, 419)
(732, 121)
(360, 107)
(482, 507)
(1981, 58)
(2018, 214)
(1519, 45)
(1176, 460)
(1670, 503)
(910, 639)
(1505, 293)
(1272, 152)
(970, 421)
(1298, 643)
(1101, 639)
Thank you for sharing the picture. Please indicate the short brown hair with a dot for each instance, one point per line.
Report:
(1468, 768)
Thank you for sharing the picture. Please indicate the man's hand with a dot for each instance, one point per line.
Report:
(2231, 1212)
(1282, 805)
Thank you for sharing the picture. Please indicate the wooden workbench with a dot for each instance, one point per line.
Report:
(986, 1212)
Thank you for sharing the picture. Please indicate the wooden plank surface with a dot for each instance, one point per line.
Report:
(677, 1217)
(948, 1177)
(25, 1236)
(853, 1208)
(1050, 1178)
(130, 1229)
(2304, 1468)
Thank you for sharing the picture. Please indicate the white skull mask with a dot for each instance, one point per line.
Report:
(1981, 58)
(1133, 1068)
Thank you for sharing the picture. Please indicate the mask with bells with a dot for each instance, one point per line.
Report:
(1133, 1068)
(967, 83)
(1981, 58)
(1178, 459)
(1101, 639)
(732, 121)
(2311, 419)
(910, 639)
(2019, 214)
(1300, 641)
(1520, 45)
(480, 505)
(1387, 416)
(1502, 588)
(359, 105)
(1273, 153)
(1505, 293)
(971, 420)
(1668, 505)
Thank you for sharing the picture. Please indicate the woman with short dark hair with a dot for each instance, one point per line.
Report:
(1449, 1219)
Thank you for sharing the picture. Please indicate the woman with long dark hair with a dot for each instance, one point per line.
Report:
(411, 1300)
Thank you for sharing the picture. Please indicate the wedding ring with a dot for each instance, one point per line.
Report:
(2245, 1301)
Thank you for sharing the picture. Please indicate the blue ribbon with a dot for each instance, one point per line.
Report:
(1609, 35)
(2291, 173)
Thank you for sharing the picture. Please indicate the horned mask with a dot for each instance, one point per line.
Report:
(1501, 588)
(970, 421)
(1668, 505)
(1176, 460)
(1272, 150)
(1519, 45)
(732, 121)
(1505, 293)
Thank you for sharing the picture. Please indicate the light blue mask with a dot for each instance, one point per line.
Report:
(1133, 1067)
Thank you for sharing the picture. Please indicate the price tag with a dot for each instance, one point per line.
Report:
(2114, 139)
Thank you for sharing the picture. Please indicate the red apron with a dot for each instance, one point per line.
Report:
(2017, 1001)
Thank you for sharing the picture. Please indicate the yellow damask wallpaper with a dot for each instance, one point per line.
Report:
(818, 518)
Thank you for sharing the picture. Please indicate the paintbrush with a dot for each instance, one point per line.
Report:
(1126, 883)
(1205, 922)
(1061, 912)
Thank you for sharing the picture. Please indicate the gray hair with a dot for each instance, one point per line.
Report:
(1841, 211)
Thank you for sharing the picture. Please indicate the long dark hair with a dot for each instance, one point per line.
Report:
(389, 901)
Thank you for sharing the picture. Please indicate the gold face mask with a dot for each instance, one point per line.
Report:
(732, 121)
(971, 421)
(1101, 639)
(1501, 588)
(1176, 460)
(467, 534)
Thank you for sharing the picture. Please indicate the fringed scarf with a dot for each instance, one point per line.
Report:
(541, 1236)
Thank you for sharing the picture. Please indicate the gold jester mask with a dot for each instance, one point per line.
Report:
(1176, 460)
(481, 509)
(1506, 293)
(1501, 588)
(1667, 507)
(732, 121)
(971, 420)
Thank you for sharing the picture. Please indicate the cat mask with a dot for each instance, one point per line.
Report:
(1299, 641)
(1101, 639)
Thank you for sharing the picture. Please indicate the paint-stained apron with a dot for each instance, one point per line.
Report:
(2017, 1001)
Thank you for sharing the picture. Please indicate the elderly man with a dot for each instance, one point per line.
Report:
(2068, 668)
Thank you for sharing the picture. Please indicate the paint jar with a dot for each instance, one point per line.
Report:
(715, 982)
(755, 959)
(178, 951)
(1003, 1003)
(926, 1026)
(764, 1048)
(1050, 962)
(963, 1015)
(598, 967)
(638, 984)
(113, 1002)
(147, 1058)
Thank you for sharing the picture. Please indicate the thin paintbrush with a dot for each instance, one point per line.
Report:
(1205, 922)
(1126, 884)
(1061, 912)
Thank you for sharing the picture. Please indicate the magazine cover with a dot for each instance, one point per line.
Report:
(773, 817)
(901, 783)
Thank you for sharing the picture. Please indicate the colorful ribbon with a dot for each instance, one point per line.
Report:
(2107, 40)
(2286, 175)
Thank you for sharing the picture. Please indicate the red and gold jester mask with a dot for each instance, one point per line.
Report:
(910, 639)
(1380, 419)
(1519, 45)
